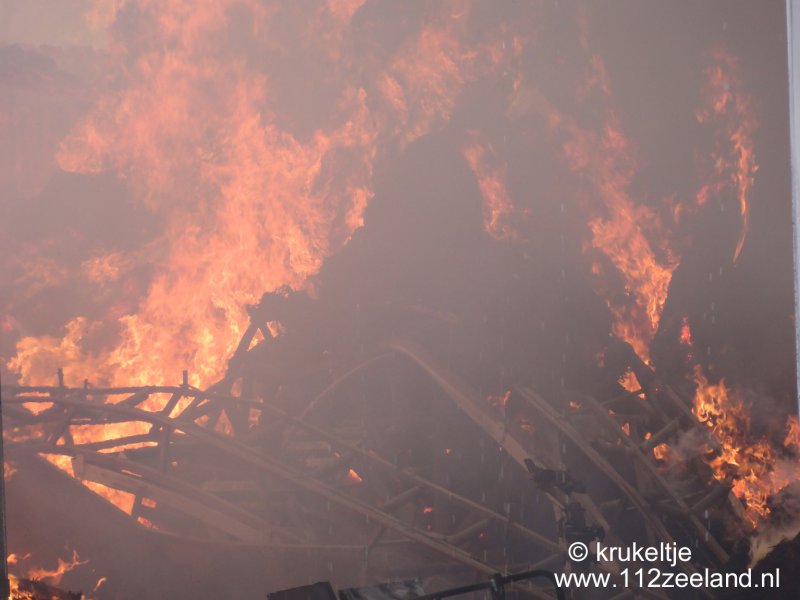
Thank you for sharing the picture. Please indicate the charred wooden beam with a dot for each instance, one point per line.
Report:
(467, 532)
(702, 531)
(274, 467)
(627, 489)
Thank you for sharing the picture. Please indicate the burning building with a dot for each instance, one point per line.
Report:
(362, 290)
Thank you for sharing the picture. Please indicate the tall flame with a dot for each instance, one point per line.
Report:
(729, 109)
(251, 201)
(632, 236)
(253, 188)
(606, 159)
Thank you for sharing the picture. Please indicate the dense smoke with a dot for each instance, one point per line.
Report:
(615, 174)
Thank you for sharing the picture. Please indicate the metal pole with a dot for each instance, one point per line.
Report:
(793, 43)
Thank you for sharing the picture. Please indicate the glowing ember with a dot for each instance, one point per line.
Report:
(525, 425)
(686, 333)
(630, 382)
(224, 425)
(61, 461)
(499, 401)
(354, 477)
(661, 452)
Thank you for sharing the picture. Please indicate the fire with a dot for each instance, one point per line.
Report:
(792, 439)
(620, 236)
(499, 401)
(686, 333)
(661, 451)
(122, 500)
(253, 190)
(250, 204)
(49, 576)
(354, 477)
(224, 425)
(625, 230)
(105, 268)
(734, 161)
(631, 236)
(647, 280)
(9, 469)
(54, 576)
(630, 382)
(755, 467)
(525, 425)
(491, 180)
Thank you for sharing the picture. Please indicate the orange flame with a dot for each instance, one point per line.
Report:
(201, 141)
(753, 466)
(661, 451)
(99, 583)
(623, 234)
(499, 401)
(49, 576)
(632, 237)
(630, 382)
(792, 439)
(734, 162)
(54, 576)
(498, 206)
(250, 199)
(686, 333)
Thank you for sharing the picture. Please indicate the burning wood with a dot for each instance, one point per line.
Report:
(389, 286)
(42, 584)
(757, 467)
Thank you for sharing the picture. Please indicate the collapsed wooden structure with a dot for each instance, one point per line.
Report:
(239, 464)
